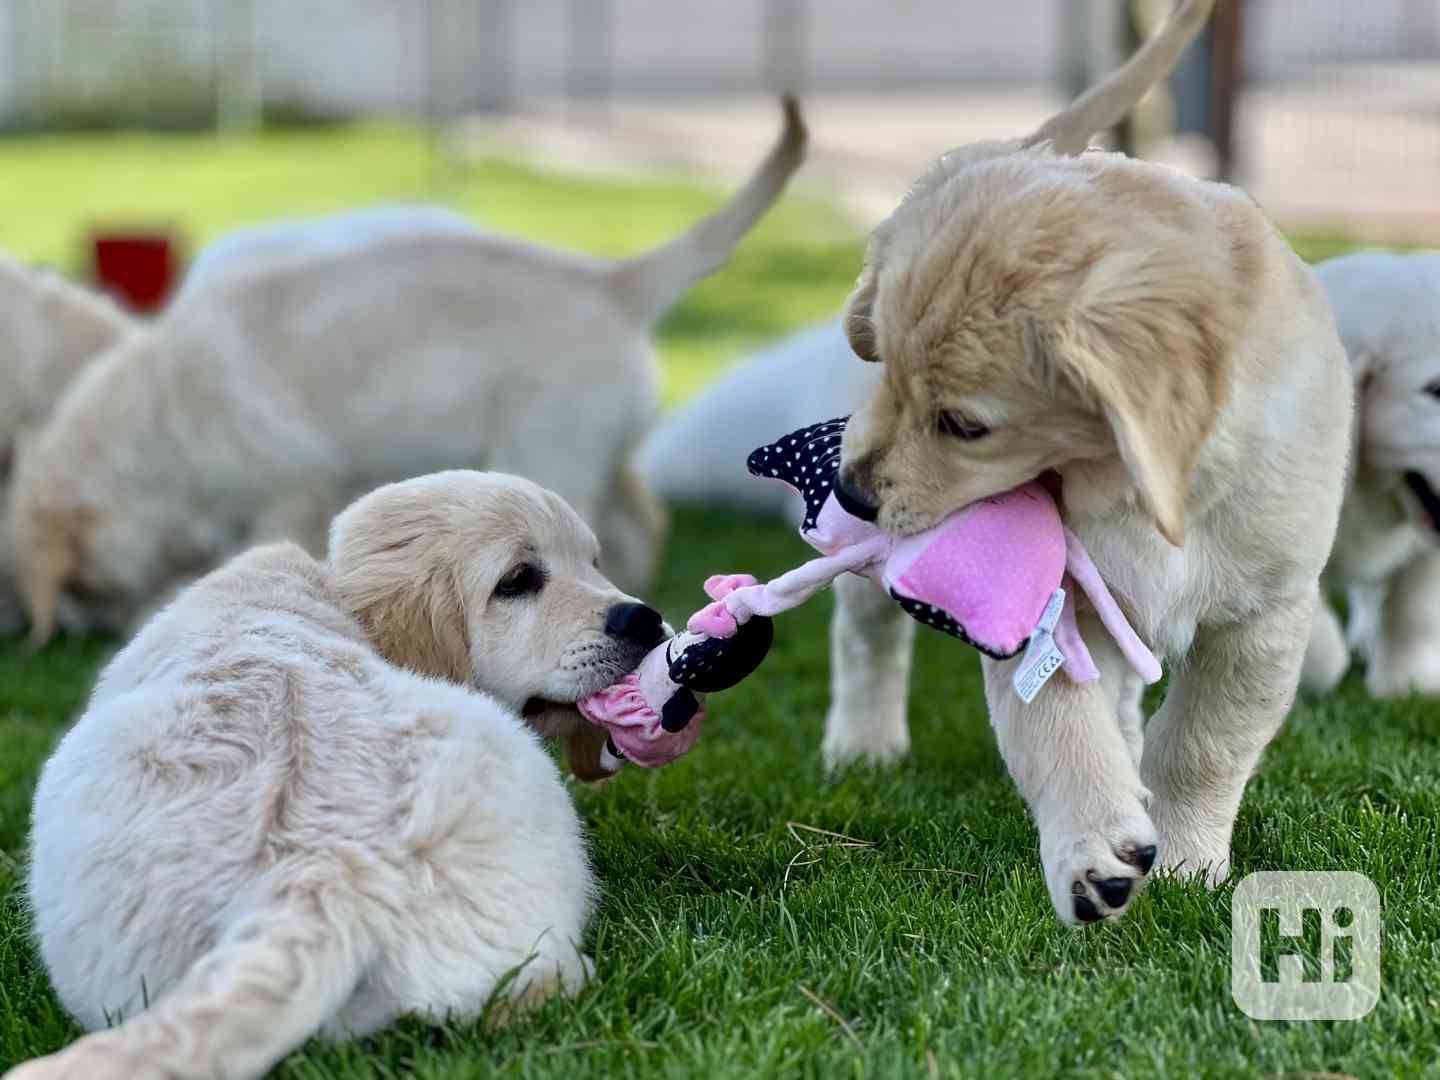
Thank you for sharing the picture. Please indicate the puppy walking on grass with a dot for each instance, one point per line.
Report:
(1150, 345)
(302, 799)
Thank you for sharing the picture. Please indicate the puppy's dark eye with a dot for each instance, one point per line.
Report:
(958, 427)
(523, 580)
(1433, 389)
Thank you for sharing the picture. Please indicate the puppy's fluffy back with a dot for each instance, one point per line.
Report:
(249, 742)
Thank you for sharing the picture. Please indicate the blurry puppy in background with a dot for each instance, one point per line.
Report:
(50, 329)
(1149, 345)
(269, 396)
(1387, 551)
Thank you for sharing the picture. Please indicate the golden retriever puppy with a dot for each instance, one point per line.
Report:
(265, 398)
(302, 800)
(1149, 345)
(50, 328)
(1387, 551)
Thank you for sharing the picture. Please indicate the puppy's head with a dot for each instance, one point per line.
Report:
(1034, 309)
(1037, 312)
(1385, 307)
(490, 581)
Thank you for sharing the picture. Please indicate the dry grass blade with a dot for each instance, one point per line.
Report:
(829, 1011)
(847, 841)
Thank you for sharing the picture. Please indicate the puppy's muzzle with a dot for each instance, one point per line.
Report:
(635, 624)
(848, 495)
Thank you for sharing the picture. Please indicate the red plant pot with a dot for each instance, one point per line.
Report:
(138, 268)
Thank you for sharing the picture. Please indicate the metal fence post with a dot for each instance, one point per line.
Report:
(591, 40)
(786, 54)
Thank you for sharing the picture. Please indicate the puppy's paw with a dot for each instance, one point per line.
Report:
(867, 740)
(1399, 673)
(85, 1060)
(1094, 875)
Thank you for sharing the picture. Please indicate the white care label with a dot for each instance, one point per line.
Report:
(1042, 657)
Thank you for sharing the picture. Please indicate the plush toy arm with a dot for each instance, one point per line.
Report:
(789, 590)
(1079, 566)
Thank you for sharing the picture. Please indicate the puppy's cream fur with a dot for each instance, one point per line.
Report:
(1149, 343)
(50, 328)
(267, 397)
(267, 827)
(1387, 551)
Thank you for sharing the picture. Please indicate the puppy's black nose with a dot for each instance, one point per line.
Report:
(636, 624)
(852, 502)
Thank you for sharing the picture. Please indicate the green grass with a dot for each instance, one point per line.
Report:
(722, 923)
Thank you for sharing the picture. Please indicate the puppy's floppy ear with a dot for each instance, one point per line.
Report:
(859, 327)
(407, 597)
(1153, 354)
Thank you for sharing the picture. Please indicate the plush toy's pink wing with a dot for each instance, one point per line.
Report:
(986, 572)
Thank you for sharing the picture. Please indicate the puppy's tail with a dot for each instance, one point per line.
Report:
(266, 987)
(1106, 103)
(648, 285)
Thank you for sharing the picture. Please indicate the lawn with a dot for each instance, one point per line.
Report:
(760, 918)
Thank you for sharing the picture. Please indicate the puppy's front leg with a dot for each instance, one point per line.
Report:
(1327, 657)
(1072, 762)
(1223, 707)
(871, 644)
(1406, 654)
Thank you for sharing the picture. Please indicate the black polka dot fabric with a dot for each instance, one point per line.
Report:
(808, 460)
(716, 664)
(939, 619)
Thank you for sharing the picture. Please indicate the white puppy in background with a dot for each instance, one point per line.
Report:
(697, 453)
(268, 396)
(327, 234)
(284, 812)
(1387, 552)
(50, 328)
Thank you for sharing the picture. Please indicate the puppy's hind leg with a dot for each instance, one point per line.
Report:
(268, 985)
(871, 644)
(1072, 761)
(1405, 657)
(1223, 708)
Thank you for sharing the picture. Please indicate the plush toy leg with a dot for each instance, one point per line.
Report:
(871, 642)
(1069, 758)
(1223, 707)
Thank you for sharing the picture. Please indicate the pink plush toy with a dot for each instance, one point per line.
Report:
(990, 574)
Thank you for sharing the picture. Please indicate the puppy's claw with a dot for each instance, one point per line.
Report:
(1086, 911)
(1144, 858)
(1114, 891)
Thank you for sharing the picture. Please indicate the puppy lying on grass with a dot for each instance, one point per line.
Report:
(265, 399)
(286, 811)
(1387, 552)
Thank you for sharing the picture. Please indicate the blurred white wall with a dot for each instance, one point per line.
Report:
(343, 56)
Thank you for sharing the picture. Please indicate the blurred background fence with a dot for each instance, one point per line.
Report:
(1326, 109)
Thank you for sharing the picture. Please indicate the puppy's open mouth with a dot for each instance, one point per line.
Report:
(1426, 496)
